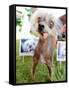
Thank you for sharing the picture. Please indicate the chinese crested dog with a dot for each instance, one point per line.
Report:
(45, 26)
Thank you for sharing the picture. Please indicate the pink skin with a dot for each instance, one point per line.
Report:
(45, 35)
(63, 29)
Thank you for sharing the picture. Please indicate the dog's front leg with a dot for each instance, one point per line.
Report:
(49, 68)
(35, 62)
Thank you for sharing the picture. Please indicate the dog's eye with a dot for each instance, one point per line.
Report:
(51, 24)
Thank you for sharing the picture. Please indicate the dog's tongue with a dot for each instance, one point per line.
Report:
(45, 35)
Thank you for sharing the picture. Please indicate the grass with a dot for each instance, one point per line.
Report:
(24, 66)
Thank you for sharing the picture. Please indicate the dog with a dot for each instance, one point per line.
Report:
(44, 24)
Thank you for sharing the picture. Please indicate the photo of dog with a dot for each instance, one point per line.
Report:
(37, 58)
(61, 51)
(28, 45)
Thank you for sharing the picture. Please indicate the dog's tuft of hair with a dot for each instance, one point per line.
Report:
(44, 22)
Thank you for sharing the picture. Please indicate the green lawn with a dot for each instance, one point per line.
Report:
(24, 66)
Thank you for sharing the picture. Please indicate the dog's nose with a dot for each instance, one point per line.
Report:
(41, 27)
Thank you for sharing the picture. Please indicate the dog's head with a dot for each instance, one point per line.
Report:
(43, 22)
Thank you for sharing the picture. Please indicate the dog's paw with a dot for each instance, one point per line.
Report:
(49, 78)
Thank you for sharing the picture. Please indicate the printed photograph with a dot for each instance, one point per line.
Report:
(27, 46)
(61, 50)
(40, 45)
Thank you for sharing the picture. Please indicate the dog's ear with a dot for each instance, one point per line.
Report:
(63, 19)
